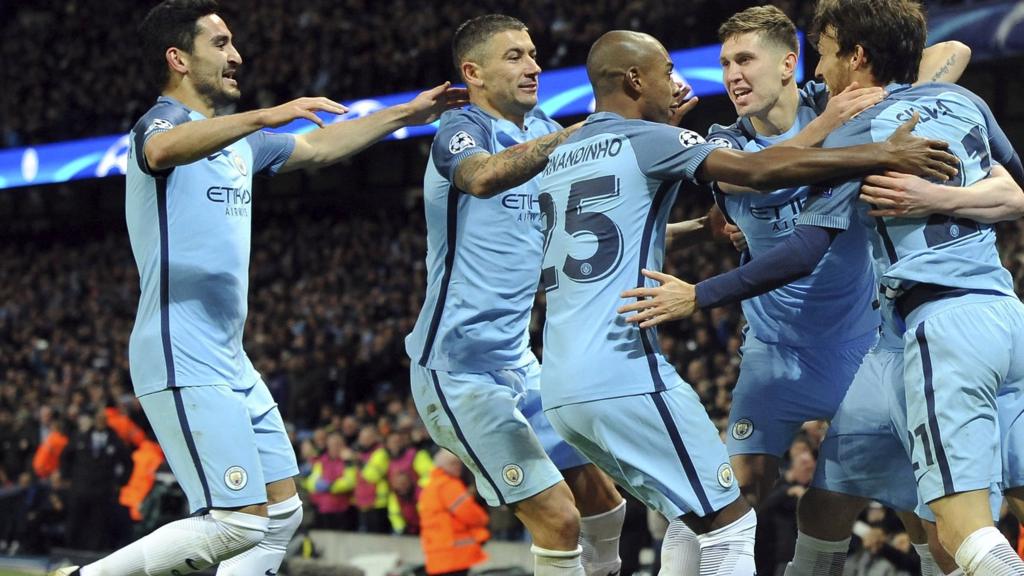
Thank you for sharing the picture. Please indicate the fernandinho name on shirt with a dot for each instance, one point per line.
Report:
(599, 150)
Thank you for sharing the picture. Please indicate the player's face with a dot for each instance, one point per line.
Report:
(660, 89)
(509, 70)
(214, 61)
(833, 69)
(752, 71)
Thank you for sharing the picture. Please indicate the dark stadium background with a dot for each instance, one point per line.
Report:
(337, 263)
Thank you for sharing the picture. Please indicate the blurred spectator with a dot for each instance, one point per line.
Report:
(96, 463)
(453, 524)
(883, 553)
(372, 489)
(331, 484)
(777, 527)
(47, 458)
(402, 503)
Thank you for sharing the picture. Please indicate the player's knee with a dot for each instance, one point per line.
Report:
(238, 531)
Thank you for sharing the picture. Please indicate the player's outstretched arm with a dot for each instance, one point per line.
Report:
(484, 175)
(343, 139)
(943, 62)
(198, 139)
(782, 166)
(995, 199)
(840, 108)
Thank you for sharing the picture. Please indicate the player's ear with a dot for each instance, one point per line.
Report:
(858, 58)
(177, 60)
(471, 74)
(789, 65)
(632, 81)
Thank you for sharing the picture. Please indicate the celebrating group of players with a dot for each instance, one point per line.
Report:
(922, 415)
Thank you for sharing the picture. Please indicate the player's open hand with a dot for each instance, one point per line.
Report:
(673, 300)
(430, 104)
(850, 102)
(901, 195)
(300, 108)
(920, 156)
(681, 107)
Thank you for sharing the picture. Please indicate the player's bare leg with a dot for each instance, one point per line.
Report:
(935, 561)
(284, 510)
(554, 524)
(756, 475)
(965, 529)
(943, 559)
(825, 520)
(726, 539)
(602, 510)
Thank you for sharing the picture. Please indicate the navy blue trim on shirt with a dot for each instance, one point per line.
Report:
(683, 454)
(449, 263)
(883, 231)
(190, 442)
(165, 280)
(645, 245)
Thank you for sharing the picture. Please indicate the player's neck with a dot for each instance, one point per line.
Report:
(781, 116)
(512, 115)
(184, 93)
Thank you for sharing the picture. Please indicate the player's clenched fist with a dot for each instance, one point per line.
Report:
(306, 107)
(673, 300)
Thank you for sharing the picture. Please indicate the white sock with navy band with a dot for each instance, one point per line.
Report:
(185, 546)
(986, 552)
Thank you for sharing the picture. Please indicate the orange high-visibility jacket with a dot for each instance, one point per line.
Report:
(453, 526)
(147, 459)
(124, 427)
(47, 457)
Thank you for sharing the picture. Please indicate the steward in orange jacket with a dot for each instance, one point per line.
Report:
(453, 525)
(47, 457)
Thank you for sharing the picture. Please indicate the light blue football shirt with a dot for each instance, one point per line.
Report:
(942, 250)
(835, 303)
(190, 230)
(483, 254)
(606, 195)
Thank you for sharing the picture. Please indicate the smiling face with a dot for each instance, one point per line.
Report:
(833, 68)
(213, 61)
(504, 71)
(754, 71)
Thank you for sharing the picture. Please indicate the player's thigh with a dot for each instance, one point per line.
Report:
(277, 456)
(864, 453)
(208, 440)
(660, 447)
(780, 387)
(952, 367)
(562, 454)
(476, 416)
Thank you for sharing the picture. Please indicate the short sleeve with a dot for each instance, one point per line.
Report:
(727, 136)
(270, 151)
(815, 95)
(668, 153)
(834, 205)
(459, 136)
(161, 118)
(1000, 146)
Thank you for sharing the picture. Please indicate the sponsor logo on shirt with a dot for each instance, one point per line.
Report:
(236, 201)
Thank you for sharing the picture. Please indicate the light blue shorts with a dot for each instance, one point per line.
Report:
(866, 450)
(780, 387)
(562, 454)
(223, 444)
(479, 417)
(964, 374)
(661, 447)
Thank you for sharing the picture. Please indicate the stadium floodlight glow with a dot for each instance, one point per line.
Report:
(562, 92)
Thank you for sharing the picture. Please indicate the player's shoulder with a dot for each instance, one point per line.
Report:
(633, 129)
(470, 115)
(941, 90)
(814, 95)
(733, 135)
(165, 114)
(540, 116)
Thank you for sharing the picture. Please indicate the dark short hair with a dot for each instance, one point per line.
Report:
(171, 23)
(772, 23)
(891, 32)
(474, 32)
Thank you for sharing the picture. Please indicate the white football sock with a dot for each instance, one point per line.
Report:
(599, 539)
(987, 553)
(814, 557)
(729, 551)
(266, 557)
(556, 562)
(680, 551)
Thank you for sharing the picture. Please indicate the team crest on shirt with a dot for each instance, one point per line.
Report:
(720, 142)
(512, 474)
(725, 475)
(238, 162)
(460, 141)
(236, 478)
(159, 124)
(689, 138)
(742, 429)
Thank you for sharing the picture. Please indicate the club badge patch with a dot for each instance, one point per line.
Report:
(512, 474)
(239, 162)
(742, 429)
(461, 141)
(236, 478)
(725, 475)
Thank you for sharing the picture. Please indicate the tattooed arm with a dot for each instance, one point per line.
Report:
(943, 62)
(485, 175)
